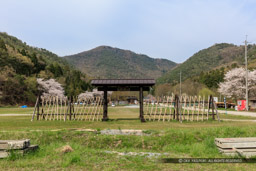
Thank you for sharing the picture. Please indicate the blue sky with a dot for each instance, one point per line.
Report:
(171, 29)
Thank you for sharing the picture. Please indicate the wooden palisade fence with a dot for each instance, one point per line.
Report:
(64, 108)
(183, 108)
(167, 108)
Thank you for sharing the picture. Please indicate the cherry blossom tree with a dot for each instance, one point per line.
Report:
(234, 83)
(85, 95)
(50, 87)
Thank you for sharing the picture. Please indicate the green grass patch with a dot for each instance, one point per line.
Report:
(187, 139)
(89, 149)
(16, 110)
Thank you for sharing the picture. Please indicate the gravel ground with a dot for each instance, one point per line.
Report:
(132, 106)
(122, 132)
(146, 154)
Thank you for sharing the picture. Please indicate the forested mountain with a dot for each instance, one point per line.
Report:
(108, 62)
(21, 64)
(216, 59)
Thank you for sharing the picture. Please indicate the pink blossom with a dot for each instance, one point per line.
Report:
(234, 84)
(50, 88)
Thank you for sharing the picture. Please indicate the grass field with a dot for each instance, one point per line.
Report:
(187, 139)
(16, 110)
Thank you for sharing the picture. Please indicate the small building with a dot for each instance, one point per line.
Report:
(252, 103)
(228, 105)
(132, 100)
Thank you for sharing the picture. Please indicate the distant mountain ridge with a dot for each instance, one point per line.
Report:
(109, 62)
(216, 56)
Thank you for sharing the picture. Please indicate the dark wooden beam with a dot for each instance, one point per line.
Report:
(105, 105)
(141, 105)
(122, 88)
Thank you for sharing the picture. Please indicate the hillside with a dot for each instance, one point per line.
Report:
(21, 64)
(216, 56)
(108, 62)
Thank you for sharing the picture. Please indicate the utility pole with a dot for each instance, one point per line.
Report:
(246, 70)
(180, 83)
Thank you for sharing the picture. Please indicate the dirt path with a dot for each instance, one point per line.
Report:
(239, 113)
(239, 120)
(15, 114)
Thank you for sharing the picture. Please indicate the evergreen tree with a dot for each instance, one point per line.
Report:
(2, 45)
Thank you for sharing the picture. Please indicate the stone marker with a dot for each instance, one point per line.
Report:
(14, 144)
(18, 146)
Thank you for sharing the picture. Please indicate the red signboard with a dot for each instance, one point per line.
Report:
(241, 104)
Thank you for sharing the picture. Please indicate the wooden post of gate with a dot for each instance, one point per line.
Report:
(105, 106)
(141, 105)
